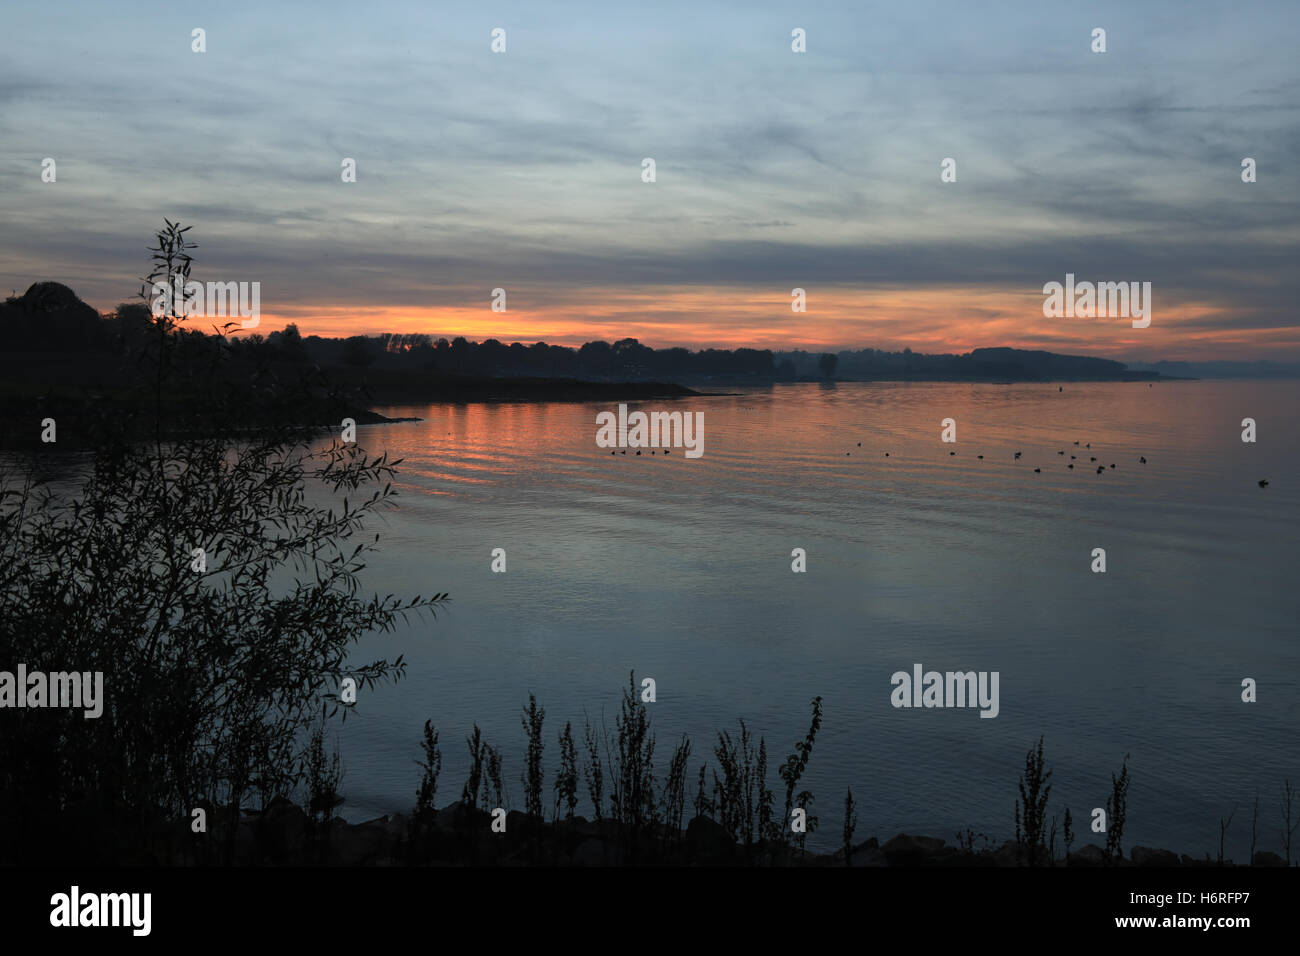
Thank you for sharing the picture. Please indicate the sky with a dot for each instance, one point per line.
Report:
(774, 170)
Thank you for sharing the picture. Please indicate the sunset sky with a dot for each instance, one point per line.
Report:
(775, 170)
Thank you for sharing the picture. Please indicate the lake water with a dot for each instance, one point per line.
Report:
(680, 570)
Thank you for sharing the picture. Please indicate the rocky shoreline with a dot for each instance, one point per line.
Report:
(285, 835)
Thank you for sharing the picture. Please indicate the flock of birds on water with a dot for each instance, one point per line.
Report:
(1101, 469)
(1073, 458)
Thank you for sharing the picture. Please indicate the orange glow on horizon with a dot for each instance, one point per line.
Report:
(930, 320)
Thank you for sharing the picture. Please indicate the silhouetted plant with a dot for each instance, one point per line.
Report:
(674, 793)
(494, 794)
(431, 767)
(734, 792)
(1069, 835)
(741, 800)
(796, 764)
(323, 778)
(1223, 832)
(632, 796)
(703, 805)
(966, 841)
(1116, 809)
(1288, 828)
(215, 663)
(427, 792)
(566, 780)
(469, 794)
(1254, 828)
(768, 831)
(850, 824)
(804, 802)
(533, 782)
(593, 771)
(1031, 808)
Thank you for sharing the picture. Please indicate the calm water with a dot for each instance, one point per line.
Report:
(680, 569)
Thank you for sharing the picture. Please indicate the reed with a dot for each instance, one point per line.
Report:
(566, 780)
(533, 776)
(850, 824)
(1031, 809)
(1116, 810)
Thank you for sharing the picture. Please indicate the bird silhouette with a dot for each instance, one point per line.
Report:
(1017, 456)
(1037, 470)
(1143, 460)
(1069, 466)
(1100, 468)
(1263, 482)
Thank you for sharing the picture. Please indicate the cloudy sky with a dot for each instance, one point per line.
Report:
(775, 170)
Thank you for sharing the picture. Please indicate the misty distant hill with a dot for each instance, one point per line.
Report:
(979, 365)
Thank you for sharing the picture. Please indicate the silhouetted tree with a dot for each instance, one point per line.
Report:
(212, 577)
(359, 351)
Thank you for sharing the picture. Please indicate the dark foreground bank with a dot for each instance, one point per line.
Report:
(458, 835)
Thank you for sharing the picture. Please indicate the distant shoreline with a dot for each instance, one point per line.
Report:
(990, 380)
(473, 391)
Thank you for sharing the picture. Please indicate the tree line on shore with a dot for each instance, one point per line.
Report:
(50, 318)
